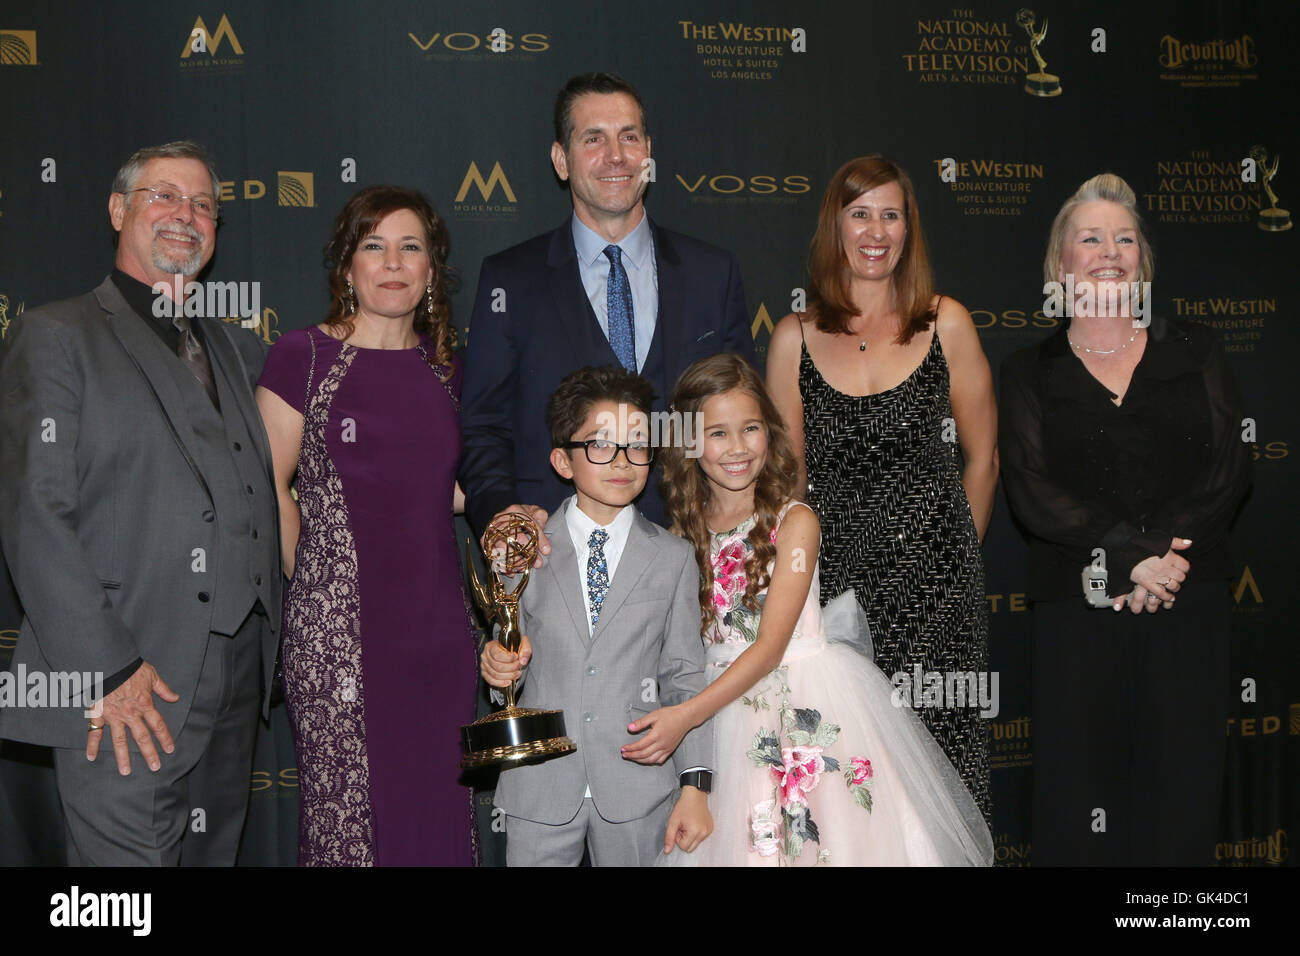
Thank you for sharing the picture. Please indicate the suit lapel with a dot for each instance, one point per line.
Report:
(149, 356)
(638, 554)
(672, 305)
(563, 565)
(227, 362)
(571, 302)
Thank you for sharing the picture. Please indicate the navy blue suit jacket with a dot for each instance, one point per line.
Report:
(533, 324)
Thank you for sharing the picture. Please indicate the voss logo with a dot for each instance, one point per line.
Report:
(493, 42)
(727, 184)
(1013, 319)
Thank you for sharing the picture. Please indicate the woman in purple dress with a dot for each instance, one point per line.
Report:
(378, 655)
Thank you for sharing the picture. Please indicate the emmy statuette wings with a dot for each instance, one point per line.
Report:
(1041, 83)
(1274, 218)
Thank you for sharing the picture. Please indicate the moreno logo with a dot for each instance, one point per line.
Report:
(201, 40)
(486, 187)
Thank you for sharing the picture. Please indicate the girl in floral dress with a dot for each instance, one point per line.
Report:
(814, 761)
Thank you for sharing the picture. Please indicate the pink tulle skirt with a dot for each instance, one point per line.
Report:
(817, 765)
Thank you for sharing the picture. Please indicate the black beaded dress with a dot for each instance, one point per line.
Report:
(884, 477)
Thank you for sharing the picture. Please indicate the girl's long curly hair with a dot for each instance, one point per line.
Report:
(687, 491)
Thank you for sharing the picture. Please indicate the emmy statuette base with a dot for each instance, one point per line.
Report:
(514, 734)
(1043, 84)
(1274, 220)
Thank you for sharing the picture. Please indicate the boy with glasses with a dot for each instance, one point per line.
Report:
(613, 616)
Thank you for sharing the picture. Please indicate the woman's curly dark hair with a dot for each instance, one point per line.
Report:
(358, 219)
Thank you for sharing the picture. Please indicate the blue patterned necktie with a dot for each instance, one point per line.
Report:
(618, 301)
(597, 572)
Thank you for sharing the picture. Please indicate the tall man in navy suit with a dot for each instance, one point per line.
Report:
(608, 286)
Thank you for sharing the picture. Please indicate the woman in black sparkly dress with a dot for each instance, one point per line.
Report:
(885, 389)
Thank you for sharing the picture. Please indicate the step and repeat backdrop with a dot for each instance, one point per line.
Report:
(998, 112)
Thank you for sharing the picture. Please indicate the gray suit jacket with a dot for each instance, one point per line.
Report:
(102, 503)
(648, 636)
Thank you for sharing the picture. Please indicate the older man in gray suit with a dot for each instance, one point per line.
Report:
(139, 524)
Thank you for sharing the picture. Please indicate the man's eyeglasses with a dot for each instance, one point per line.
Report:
(166, 196)
(601, 451)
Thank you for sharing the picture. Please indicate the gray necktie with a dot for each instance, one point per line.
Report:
(192, 353)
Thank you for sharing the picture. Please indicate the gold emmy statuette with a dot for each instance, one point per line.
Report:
(1274, 218)
(5, 318)
(514, 733)
(1041, 83)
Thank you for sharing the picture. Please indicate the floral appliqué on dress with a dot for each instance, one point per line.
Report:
(795, 755)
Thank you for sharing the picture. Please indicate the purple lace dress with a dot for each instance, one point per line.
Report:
(378, 656)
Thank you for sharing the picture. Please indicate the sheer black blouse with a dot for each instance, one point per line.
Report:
(1081, 472)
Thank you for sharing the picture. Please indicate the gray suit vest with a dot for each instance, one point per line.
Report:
(243, 501)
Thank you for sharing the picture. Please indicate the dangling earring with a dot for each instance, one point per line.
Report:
(428, 290)
(352, 299)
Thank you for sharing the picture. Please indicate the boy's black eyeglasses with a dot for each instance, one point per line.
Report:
(601, 451)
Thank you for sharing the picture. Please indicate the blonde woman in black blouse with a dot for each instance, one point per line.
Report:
(1123, 464)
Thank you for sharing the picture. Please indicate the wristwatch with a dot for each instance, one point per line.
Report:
(699, 779)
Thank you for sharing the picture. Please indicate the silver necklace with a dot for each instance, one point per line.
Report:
(862, 345)
(1084, 348)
